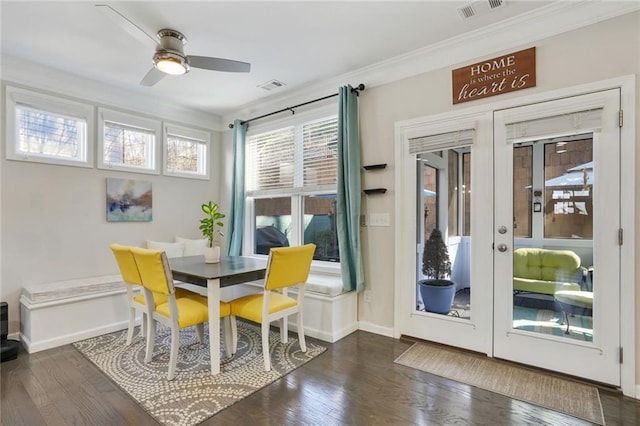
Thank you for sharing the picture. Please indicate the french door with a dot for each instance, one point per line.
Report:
(556, 227)
(447, 167)
(511, 186)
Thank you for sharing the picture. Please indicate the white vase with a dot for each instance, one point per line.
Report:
(212, 254)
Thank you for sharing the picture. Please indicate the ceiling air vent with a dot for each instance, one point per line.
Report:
(271, 84)
(467, 11)
(480, 7)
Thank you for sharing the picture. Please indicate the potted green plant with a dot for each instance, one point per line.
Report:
(437, 291)
(210, 226)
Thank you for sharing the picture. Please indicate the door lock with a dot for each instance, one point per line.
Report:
(502, 229)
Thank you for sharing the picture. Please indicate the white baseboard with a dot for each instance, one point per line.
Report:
(637, 395)
(65, 339)
(374, 328)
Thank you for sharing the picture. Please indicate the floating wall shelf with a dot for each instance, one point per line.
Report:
(375, 166)
(375, 191)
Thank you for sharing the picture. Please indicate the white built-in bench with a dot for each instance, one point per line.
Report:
(329, 312)
(58, 313)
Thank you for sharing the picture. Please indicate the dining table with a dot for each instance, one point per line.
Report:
(229, 271)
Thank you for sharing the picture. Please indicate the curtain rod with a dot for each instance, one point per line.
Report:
(357, 89)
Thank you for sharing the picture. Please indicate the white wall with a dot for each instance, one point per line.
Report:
(53, 225)
(581, 56)
(569, 59)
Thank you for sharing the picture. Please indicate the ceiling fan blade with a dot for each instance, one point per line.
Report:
(129, 26)
(218, 64)
(153, 76)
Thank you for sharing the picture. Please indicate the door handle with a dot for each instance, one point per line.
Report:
(502, 247)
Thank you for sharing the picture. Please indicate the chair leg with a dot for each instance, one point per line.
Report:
(143, 325)
(234, 334)
(265, 346)
(230, 340)
(284, 330)
(173, 357)
(132, 324)
(566, 318)
(200, 332)
(151, 340)
(303, 343)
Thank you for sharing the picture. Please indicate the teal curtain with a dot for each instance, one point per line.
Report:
(236, 214)
(349, 191)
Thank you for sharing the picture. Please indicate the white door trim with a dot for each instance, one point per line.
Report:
(405, 190)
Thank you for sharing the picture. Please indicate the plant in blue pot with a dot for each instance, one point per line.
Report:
(437, 291)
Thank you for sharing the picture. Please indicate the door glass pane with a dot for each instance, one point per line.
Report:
(430, 186)
(522, 190)
(444, 195)
(568, 174)
(466, 192)
(553, 265)
(452, 193)
(273, 223)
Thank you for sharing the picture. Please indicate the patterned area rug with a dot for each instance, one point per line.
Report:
(194, 395)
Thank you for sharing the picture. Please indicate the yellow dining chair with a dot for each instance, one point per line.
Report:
(176, 313)
(286, 267)
(131, 277)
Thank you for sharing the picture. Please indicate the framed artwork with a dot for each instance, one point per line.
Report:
(129, 200)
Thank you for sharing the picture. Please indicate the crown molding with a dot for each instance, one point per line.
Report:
(29, 74)
(556, 18)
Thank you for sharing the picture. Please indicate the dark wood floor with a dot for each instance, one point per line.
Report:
(355, 382)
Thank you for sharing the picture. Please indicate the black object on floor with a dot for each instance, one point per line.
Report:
(8, 348)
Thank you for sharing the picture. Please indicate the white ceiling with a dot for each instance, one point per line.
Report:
(299, 43)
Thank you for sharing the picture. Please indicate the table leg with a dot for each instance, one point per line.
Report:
(213, 294)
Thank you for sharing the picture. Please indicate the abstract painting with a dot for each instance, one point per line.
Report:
(128, 200)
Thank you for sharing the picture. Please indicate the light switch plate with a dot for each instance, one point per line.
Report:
(379, 219)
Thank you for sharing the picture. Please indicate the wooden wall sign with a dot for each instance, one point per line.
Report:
(508, 73)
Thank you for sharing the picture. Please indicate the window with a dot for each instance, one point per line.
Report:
(186, 152)
(127, 142)
(46, 129)
(291, 176)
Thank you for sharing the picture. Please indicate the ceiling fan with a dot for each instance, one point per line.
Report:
(169, 56)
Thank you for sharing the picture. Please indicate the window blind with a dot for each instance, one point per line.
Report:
(185, 155)
(128, 145)
(48, 133)
(271, 160)
(456, 139)
(294, 159)
(320, 154)
(557, 125)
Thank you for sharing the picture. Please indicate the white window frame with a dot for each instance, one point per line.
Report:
(204, 161)
(54, 105)
(296, 193)
(130, 120)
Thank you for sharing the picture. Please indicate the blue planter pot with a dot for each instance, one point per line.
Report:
(437, 298)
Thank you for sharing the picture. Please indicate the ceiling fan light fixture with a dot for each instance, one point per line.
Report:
(170, 63)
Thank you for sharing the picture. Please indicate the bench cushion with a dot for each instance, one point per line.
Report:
(325, 285)
(539, 286)
(582, 299)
